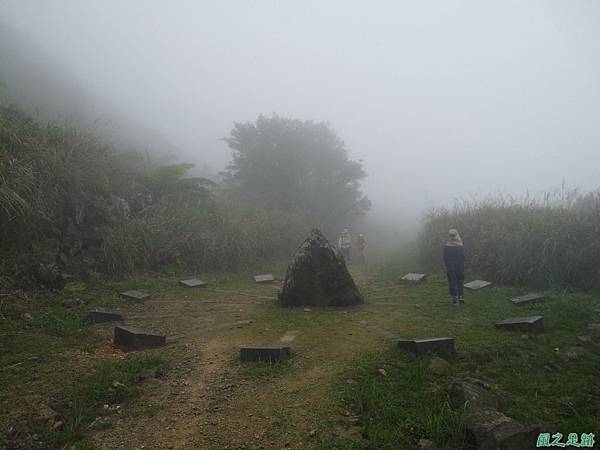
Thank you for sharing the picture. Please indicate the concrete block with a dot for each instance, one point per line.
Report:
(532, 324)
(99, 315)
(477, 284)
(132, 338)
(192, 283)
(528, 299)
(264, 353)
(135, 295)
(414, 277)
(266, 278)
(438, 346)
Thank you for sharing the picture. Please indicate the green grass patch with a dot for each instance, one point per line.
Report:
(398, 409)
(79, 404)
(84, 444)
(536, 384)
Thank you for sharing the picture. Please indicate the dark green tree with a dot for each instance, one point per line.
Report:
(297, 164)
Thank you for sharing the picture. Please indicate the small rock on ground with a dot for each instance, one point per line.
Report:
(425, 444)
(571, 352)
(584, 340)
(438, 365)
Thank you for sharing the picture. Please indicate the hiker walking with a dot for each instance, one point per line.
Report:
(454, 258)
(361, 243)
(344, 243)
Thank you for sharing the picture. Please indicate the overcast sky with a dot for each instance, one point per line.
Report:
(441, 99)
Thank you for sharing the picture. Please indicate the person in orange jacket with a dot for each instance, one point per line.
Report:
(361, 243)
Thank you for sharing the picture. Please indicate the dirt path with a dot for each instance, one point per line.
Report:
(209, 400)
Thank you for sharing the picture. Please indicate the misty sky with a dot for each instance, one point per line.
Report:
(441, 99)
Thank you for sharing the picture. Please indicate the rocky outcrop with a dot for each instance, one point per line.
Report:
(317, 276)
(487, 428)
(40, 274)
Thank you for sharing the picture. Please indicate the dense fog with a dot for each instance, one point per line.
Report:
(440, 100)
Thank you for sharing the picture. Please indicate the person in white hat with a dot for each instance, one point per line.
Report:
(344, 243)
(454, 259)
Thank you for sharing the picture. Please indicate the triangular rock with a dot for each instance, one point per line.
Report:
(317, 276)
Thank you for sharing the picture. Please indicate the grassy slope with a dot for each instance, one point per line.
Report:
(535, 384)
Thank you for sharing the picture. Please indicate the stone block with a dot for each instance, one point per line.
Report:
(135, 295)
(486, 427)
(266, 278)
(420, 347)
(264, 353)
(491, 429)
(471, 393)
(477, 284)
(192, 283)
(132, 338)
(414, 277)
(528, 299)
(99, 315)
(532, 324)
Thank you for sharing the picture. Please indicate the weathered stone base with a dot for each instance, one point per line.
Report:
(192, 283)
(421, 347)
(131, 338)
(492, 430)
(414, 278)
(135, 295)
(533, 324)
(99, 315)
(475, 285)
(528, 299)
(487, 428)
(264, 353)
(267, 278)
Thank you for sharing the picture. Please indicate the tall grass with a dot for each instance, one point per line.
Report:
(46, 171)
(67, 197)
(232, 236)
(552, 241)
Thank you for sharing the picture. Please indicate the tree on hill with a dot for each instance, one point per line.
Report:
(297, 164)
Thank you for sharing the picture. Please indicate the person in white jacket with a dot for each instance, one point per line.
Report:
(344, 243)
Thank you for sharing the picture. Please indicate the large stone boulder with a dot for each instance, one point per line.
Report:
(486, 427)
(317, 276)
(471, 393)
(489, 429)
(37, 274)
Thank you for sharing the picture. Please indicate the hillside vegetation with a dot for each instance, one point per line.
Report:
(68, 198)
(552, 242)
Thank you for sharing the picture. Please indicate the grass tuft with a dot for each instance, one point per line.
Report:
(80, 403)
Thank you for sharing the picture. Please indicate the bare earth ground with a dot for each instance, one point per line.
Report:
(209, 400)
